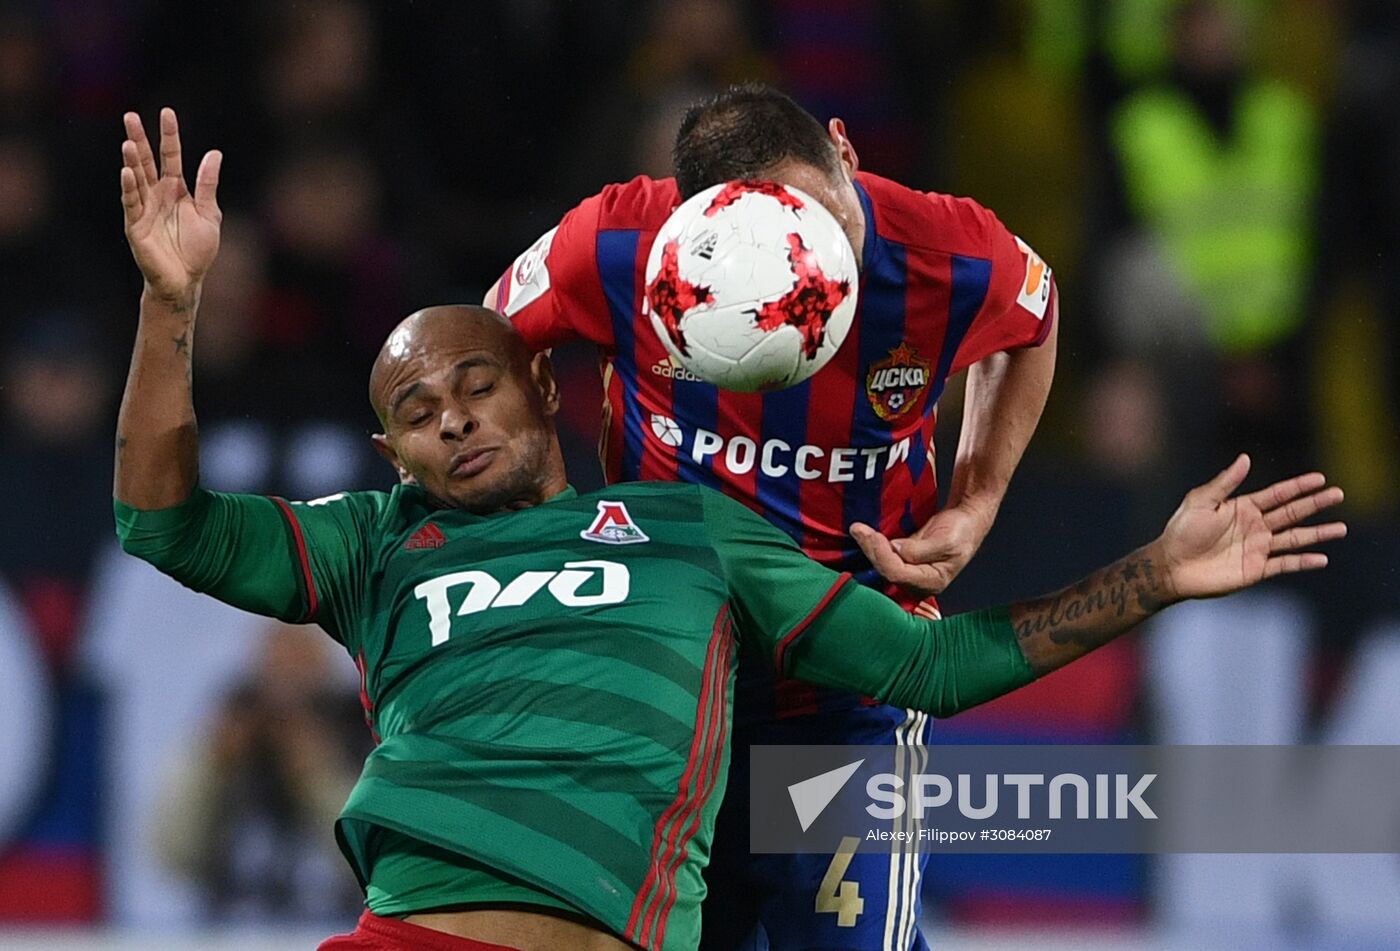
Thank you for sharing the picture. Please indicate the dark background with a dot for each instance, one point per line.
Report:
(1213, 183)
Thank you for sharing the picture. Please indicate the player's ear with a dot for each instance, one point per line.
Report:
(836, 129)
(386, 449)
(542, 372)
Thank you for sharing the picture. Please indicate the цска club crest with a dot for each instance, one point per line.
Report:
(896, 384)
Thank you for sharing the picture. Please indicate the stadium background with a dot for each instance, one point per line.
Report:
(1213, 183)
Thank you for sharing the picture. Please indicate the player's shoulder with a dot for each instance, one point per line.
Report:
(641, 203)
(928, 220)
(727, 516)
(373, 509)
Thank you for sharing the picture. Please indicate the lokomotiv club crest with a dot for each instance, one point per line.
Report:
(896, 384)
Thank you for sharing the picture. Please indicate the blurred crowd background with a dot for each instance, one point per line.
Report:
(1214, 184)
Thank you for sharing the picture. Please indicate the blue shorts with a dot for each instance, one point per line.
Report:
(757, 902)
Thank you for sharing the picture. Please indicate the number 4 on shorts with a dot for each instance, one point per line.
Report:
(839, 897)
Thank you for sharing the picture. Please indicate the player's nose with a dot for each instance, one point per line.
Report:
(456, 423)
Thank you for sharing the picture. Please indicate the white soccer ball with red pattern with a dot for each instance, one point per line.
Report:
(751, 285)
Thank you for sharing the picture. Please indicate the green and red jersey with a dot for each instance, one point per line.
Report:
(550, 687)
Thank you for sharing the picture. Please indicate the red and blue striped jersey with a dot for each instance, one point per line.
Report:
(943, 284)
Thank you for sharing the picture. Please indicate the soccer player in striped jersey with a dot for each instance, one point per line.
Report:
(547, 675)
(944, 286)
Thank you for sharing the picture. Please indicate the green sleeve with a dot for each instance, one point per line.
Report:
(865, 642)
(774, 589)
(823, 627)
(300, 562)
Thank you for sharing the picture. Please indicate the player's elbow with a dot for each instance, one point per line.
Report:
(132, 540)
(167, 539)
(154, 550)
(128, 544)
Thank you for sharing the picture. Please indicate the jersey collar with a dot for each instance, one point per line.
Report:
(563, 495)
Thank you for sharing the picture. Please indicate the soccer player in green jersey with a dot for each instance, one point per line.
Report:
(547, 674)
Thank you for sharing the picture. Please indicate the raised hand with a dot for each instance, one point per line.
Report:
(1216, 544)
(174, 236)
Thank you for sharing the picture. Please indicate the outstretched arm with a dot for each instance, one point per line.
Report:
(174, 237)
(220, 544)
(1213, 545)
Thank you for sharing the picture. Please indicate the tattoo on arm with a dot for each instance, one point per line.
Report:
(121, 443)
(182, 343)
(1054, 630)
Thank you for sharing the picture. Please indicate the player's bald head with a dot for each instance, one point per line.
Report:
(439, 333)
(468, 411)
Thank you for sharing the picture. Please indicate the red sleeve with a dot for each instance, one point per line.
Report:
(552, 292)
(1019, 306)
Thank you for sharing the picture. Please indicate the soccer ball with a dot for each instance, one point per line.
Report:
(751, 285)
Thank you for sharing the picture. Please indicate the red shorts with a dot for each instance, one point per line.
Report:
(374, 933)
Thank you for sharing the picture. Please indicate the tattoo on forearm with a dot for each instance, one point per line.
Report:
(1054, 630)
(182, 343)
(121, 443)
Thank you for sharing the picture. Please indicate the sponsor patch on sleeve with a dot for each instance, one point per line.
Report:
(528, 278)
(1034, 294)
